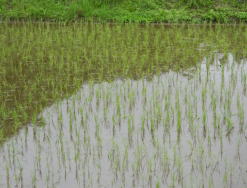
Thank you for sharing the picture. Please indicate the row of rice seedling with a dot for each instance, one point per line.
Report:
(171, 130)
(143, 105)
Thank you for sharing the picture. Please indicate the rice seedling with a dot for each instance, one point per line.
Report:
(122, 105)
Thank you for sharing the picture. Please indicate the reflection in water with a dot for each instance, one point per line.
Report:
(42, 63)
(183, 129)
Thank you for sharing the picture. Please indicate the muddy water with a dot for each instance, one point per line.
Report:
(177, 129)
(109, 105)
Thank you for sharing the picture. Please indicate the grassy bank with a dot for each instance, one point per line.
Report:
(168, 11)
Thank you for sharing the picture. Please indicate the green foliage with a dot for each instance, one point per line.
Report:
(198, 3)
(169, 11)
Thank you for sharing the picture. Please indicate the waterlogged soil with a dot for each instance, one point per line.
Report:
(168, 125)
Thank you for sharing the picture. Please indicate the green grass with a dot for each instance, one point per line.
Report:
(168, 11)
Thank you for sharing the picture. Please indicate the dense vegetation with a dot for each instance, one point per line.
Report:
(169, 11)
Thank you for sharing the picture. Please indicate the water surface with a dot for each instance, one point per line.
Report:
(123, 105)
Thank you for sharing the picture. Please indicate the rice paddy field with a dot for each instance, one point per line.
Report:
(123, 105)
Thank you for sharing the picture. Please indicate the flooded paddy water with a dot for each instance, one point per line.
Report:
(108, 105)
